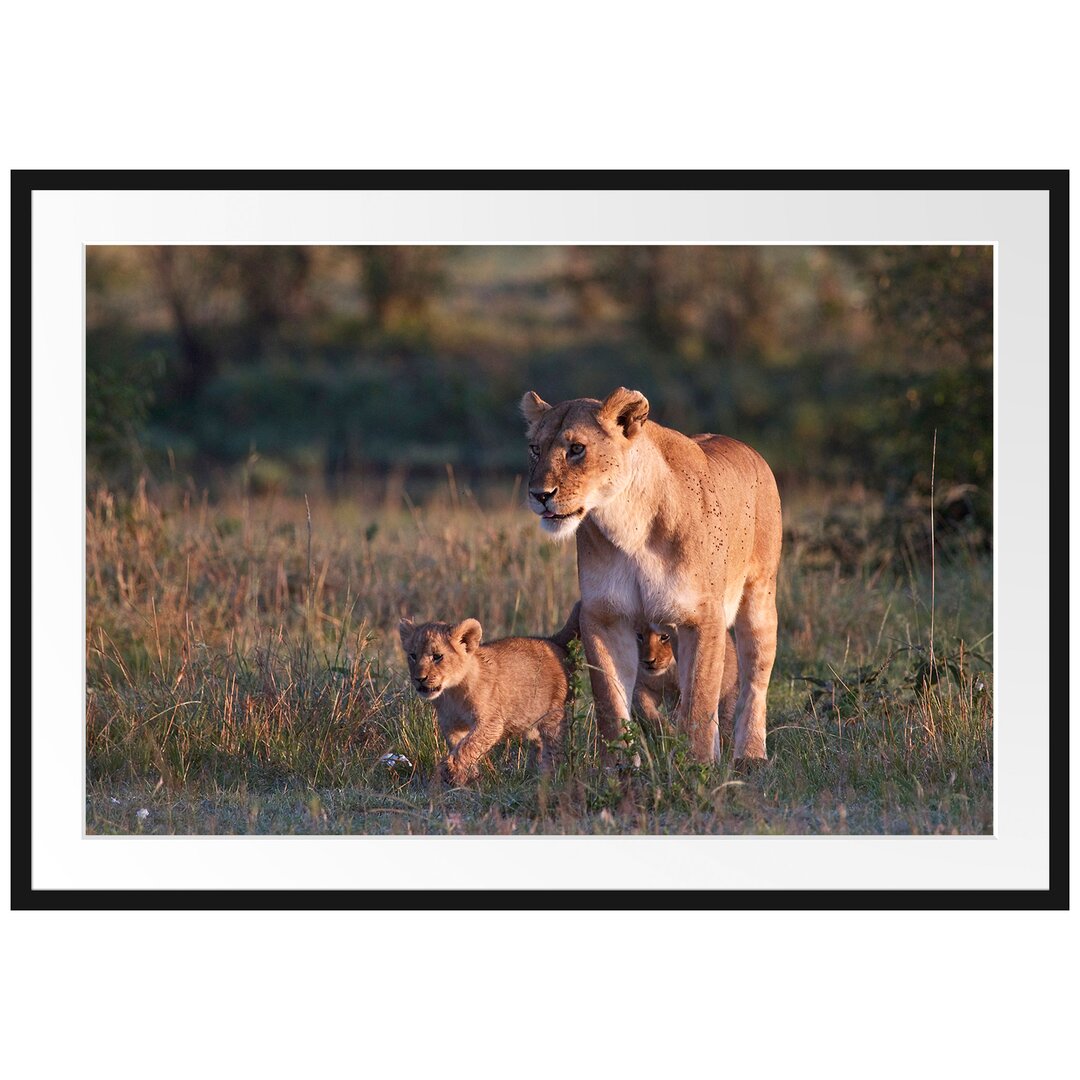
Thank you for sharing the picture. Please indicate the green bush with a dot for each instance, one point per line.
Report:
(119, 389)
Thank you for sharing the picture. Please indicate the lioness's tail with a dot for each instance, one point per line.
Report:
(571, 630)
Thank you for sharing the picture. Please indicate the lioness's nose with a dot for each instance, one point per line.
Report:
(542, 496)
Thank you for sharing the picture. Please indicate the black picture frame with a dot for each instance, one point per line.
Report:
(24, 183)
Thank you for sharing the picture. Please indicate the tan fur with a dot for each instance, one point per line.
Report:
(658, 677)
(486, 693)
(669, 529)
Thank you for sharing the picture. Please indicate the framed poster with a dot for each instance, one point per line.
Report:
(297, 418)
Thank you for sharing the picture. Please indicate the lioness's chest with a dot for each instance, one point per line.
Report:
(643, 587)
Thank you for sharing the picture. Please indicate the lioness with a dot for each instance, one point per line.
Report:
(669, 529)
(658, 677)
(486, 693)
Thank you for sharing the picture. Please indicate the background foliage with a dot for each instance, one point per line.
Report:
(308, 368)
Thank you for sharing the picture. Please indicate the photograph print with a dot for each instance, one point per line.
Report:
(540, 539)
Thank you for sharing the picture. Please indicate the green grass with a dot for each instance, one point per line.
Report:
(234, 687)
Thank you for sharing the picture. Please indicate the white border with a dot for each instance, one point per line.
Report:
(1016, 857)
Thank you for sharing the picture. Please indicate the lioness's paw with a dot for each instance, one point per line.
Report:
(750, 766)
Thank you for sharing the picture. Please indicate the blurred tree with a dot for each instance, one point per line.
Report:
(190, 281)
(693, 299)
(273, 283)
(746, 312)
(119, 390)
(643, 281)
(932, 302)
(399, 283)
(934, 310)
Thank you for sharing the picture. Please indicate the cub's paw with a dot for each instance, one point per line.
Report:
(454, 774)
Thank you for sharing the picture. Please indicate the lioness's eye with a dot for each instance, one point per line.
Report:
(534, 449)
(663, 637)
(576, 449)
(641, 638)
(437, 657)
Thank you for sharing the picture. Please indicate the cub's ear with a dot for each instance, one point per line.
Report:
(405, 629)
(629, 409)
(468, 633)
(533, 406)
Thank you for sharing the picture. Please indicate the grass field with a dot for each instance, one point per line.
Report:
(244, 676)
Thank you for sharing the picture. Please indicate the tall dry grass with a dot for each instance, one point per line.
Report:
(243, 674)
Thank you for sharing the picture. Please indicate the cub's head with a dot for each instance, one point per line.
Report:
(655, 648)
(439, 655)
(577, 454)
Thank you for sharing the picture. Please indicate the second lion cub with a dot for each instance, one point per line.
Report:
(658, 676)
(483, 694)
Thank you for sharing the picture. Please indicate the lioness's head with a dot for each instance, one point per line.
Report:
(438, 654)
(577, 454)
(655, 651)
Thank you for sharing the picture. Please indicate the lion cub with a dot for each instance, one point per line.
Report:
(486, 693)
(658, 676)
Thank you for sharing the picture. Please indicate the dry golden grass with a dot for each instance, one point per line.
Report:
(237, 684)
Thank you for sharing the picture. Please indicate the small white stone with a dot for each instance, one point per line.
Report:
(142, 813)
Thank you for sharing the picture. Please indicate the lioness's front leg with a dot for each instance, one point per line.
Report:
(701, 674)
(611, 652)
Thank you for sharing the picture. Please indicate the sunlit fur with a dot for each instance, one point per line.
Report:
(669, 529)
(485, 693)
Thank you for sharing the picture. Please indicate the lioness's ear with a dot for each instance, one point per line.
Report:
(405, 629)
(533, 406)
(468, 633)
(627, 408)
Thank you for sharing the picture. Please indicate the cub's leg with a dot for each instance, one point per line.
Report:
(611, 652)
(701, 674)
(646, 703)
(453, 733)
(462, 763)
(755, 640)
(552, 731)
(534, 748)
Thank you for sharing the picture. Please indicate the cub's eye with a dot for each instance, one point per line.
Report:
(534, 449)
(663, 637)
(641, 638)
(412, 656)
(437, 657)
(576, 449)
